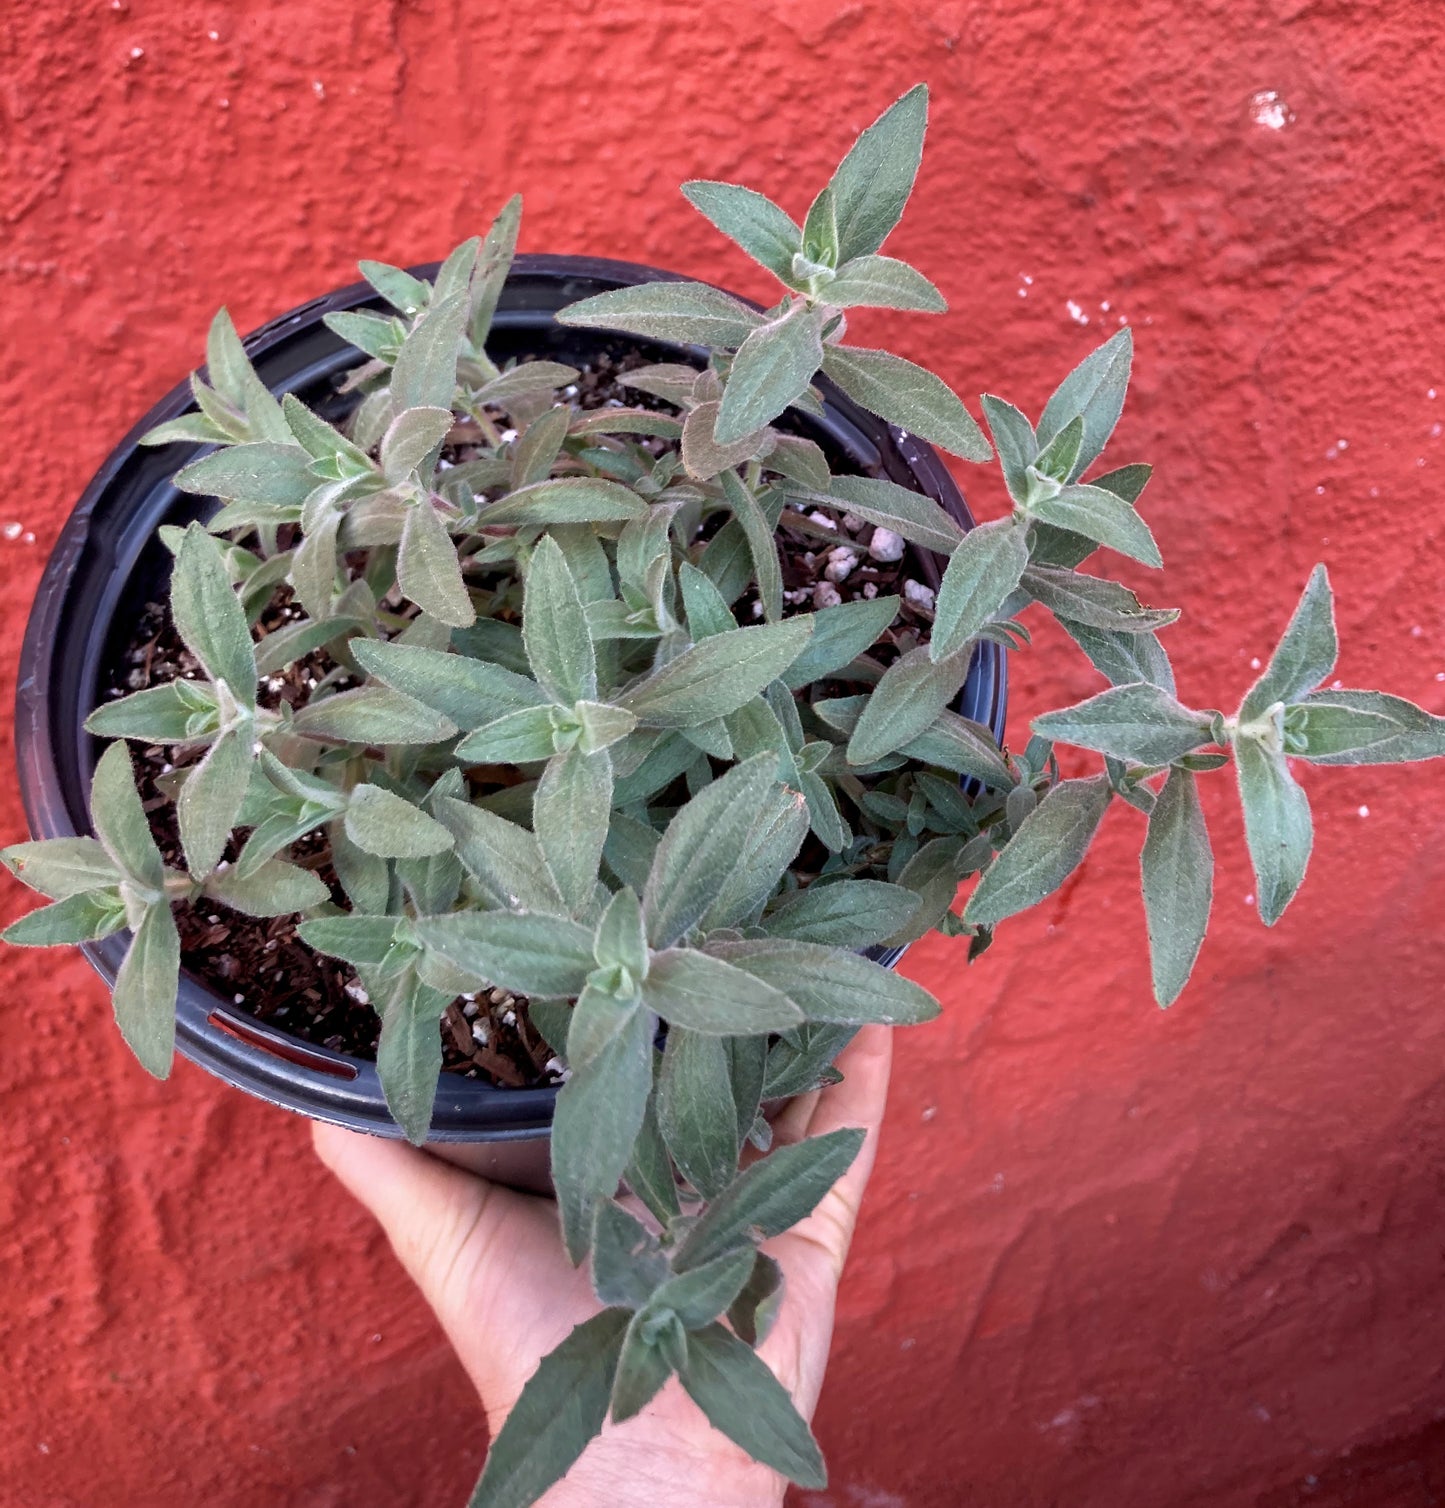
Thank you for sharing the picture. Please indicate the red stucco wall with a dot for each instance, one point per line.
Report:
(1112, 1258)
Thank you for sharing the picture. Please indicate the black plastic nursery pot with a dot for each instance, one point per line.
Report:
(109, 562)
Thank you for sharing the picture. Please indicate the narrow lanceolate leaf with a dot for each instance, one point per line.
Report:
(830, 985)
(690, 313)
(599, 1113)
(1277, 825)
(382, 823)
(784, 1187)
(163, 714)
(120, 821)
(554, 628)
(702, 453)
(695, 1110)
(469, 692)
(1177, 866)
(570, 815)
(702, 845)
(428, 570)
(210, 799)
(533, 955)
(698, 1296)
(768, 234)
(523, 737)
(959, 744)
(742, 1399)
(409, 1054)
(1098, 514)
(565, 500)
(361, 940)
(1306, 653)
(873, 182)
(779, 826)
(373, 715)
(1094, 390)
(1093, 602)
(1047, 848)
(846, 914)
(231, 373)
(410, 438)
(911, 514)
(562, 1407)
(913, 691)
(493, 261)
(274, 888)
(767, 570)
(82, 917)
(706, 994)
(425, 372)
(982, 573)
(628, 1265)
(883, 283)
(752, 1313)
(1343, 728)
(61, 867)
(1122, 659)
(649, 1175)
(504, 859)
(771, 370)
(277, 476)
(718, 675)
(209, 617)
(1141, 723)
(908, 396)
(144, 996)
(1015, 441)
(840, 635)
(654, 1341)
(313, 565)
(318, 438)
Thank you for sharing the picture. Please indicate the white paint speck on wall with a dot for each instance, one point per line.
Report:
(1267, 109)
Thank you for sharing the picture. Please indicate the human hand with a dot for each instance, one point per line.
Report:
(491, 1264)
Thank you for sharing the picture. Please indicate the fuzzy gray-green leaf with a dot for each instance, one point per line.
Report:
(144, 994)
(872, 183)
(706, 994)
(703, 844)
(274, 888)
(374, 715)
(469, 692)
(1142, 723)
(532, 955)
(981, 574)
(772, 368)
(120, 821)
(569, 815)
(689, 313)
(83, 916)
(1306, 653)
(409, 1054)
(554, 628)
(1047, 848)
(61, 867)
(1094, 390)
(428, 570)
(913, 691)
(563, 1406)
(1177, 869)
(909, 396)
(424, 374)
(1277, 824)
(911, 514)
(382, 823)
(845, 914)
(209, 617)
(718, 675)
(695, 1109)
(768, 234)
(830, 984)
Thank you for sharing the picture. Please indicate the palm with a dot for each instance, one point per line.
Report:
(491, 1264)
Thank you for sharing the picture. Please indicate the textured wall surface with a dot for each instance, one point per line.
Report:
(1112, 1258)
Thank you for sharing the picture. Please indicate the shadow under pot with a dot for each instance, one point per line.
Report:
(109, 563)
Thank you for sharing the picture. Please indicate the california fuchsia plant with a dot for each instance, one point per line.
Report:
(574, 738)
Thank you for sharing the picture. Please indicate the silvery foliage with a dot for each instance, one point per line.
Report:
(563, 605)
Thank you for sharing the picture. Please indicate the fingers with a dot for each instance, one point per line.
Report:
(812, 1253)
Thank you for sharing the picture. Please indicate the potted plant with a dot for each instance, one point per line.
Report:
(600, 703)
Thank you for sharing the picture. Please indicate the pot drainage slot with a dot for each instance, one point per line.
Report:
(287, 1049)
